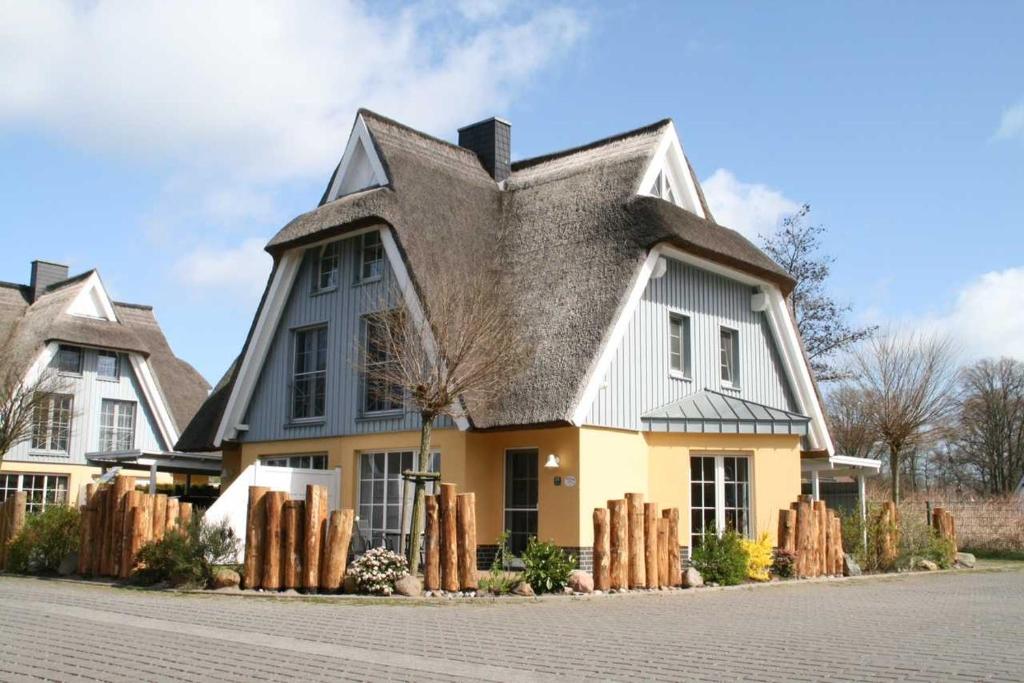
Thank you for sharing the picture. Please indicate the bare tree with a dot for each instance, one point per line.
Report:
(991, 428)
(910, 384)
(20, 398)
(460, 352)
(850, 422)
(796, 246)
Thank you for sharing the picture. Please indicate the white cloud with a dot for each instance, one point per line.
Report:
(988, 319)
(264, 91)
(751, 208)
(239, 270)
(1011, 125)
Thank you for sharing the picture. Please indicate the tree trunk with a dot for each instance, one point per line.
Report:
(427, 424)
(894, 467)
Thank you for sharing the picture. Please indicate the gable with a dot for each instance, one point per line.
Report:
(360, 167)
(92, 301)
(668, 176)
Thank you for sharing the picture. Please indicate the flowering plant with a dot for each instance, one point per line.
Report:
(376, 571)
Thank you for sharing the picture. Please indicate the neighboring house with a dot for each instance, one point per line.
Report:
(667, 360)
(119, 390)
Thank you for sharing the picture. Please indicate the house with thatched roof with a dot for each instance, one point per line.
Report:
(666, 359)
(115, 393)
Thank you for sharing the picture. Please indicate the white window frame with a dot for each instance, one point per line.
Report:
(34, 506)
(61, 348)
(294, 375)
(736, 375)
(110, 433)
(361, 262)
(330, 252)
(393, 407)
(117, 366)
(294, 461)
(686, 345)
(404, 516)
(719, 482)
(50, 411)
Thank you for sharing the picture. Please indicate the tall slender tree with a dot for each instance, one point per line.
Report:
(991, 426)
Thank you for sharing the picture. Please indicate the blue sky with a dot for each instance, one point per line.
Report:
(164, 144)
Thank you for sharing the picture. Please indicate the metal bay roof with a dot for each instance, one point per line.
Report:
(713, 412)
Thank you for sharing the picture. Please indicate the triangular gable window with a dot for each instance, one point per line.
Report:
(360, 167)
(663, 188)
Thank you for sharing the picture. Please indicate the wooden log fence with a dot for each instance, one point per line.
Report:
(942, 522)
(12, 519)
(815, 533)
(636, 545)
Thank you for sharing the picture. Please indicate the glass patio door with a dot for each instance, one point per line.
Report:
(520, 497)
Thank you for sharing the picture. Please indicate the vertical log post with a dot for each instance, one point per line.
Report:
(131, 526)
(255, 530)
(99, 505)
(637, 566)
(293, 524)
(787, 530)
(466, 518)
(159, 516)
(90, 492)
(274, 503)
(449, 542)
(339, 534)
(619, 544)
(675, 568)
(830, 542)
(651, 544)
(171, 519)
(838, 570)
(821, 524)
(432, 545)
(663, 577)
(85, 523)
(147, 504)
(122, 485)
(316, 534)
(184, 516)
(602, 550)
(804, 534)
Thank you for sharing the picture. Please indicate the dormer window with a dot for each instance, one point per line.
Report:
(371, 257)
(327, 267)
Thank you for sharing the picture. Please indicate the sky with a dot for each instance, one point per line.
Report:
(165, 143)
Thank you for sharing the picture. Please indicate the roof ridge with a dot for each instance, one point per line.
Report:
(406, 127)
(142, 307)
(12, 285)
(69, 281)
(756, 403)
(544, 158)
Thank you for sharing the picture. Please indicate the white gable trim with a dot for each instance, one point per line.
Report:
(256, 353)
(412, 301)
(155, 398)
(360, 166)
(92, 301)
(669, 159)
(779, 321)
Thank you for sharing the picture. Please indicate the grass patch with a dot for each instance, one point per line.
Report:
(1017, 555)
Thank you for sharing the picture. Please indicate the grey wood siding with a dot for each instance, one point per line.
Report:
(638, 378)
(341, 309)
(89, 391)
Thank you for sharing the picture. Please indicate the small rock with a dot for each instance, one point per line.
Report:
(290, 593)
(926, 566)
(524, 589)
(712, 584)
(692, 578)
(567, 591)
(581, 581)
(349, 585)
(225, 578)
(69, 566)
(409, 586)
(598, 592)
(965, 560)
(850, 566)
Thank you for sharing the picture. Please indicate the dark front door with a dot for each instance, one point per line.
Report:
(520, 497)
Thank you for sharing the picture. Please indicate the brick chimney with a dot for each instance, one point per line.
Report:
(44, 274)
(491, 139)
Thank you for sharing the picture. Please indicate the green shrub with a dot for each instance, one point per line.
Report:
(45, 540)
(546, 566)
(941, 551)
(187, 558)
(870, 558)
(377, 570)
(499, 580)
(721, 560)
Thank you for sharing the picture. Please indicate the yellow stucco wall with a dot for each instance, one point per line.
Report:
(605, 464)
(78, 475)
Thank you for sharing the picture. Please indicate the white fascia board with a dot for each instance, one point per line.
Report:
(155, 398)
(669, 157)
(93, 284)
(40, 363)
(606, 352)
(360, 136)
(780, 322)
(851, 461)
(262, 335)
(412, 301)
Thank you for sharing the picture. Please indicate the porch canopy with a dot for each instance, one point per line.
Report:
(174, 462)
(712, 412)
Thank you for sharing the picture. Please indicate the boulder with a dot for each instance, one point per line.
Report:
(409, 586)
(692, 578)
(524, 589)
(69, 566)
(850, 566)
(926, 566)
(349, 584)
(581, 581)
(965, 560)
(225, 578)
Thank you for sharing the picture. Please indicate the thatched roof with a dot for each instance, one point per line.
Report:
(26, 325)
(569, 230)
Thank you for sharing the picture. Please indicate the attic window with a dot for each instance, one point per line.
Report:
(371, 258)
(662, 188)
(327, 268)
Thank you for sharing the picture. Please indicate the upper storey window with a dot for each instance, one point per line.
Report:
(108, 365)
(309, 380)
(69, 360)
(730, 356)
(371, 258)
(679, 345)
(327, 267)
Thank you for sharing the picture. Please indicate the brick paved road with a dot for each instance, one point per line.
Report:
(964, 626)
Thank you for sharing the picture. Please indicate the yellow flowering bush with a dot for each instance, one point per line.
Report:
(759, 557)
